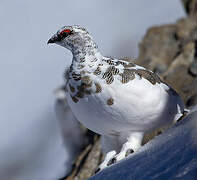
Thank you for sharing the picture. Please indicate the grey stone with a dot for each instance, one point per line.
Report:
(193, 69)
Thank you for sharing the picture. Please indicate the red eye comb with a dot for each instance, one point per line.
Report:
(68, 31)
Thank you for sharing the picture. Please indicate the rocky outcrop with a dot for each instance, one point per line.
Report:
(171, 51)
(88, 161)
(190, 6)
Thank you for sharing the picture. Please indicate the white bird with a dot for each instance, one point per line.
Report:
(115, 98)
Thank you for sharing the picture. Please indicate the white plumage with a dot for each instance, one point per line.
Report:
(115, 98)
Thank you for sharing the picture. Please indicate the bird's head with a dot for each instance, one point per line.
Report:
(72, 38)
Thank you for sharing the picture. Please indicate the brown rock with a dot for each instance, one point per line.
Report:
(171, 51)
(162, 44)
(87, 162)
(190, 6)
(192, 101)
(91, 163)
(177, 74)
(159, 47)
(193, 69)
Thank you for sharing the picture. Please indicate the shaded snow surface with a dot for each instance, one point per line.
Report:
(172, 155)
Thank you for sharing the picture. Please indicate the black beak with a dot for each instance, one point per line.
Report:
(50, 41)
(53, 39)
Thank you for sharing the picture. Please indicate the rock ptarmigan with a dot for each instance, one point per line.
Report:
(115, 98)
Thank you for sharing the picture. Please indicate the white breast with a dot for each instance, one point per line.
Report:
(137, 106)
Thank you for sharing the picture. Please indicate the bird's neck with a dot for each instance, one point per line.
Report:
(86, 56)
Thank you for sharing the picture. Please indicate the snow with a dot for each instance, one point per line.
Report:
(31, 143)
(171, 155)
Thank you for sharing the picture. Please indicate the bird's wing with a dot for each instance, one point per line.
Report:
(128, 71)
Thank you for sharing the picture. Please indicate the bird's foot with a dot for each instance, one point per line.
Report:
(104, 164)
(120, 156)
(131, 146)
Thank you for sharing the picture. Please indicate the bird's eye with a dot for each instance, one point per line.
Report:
(65, 32)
